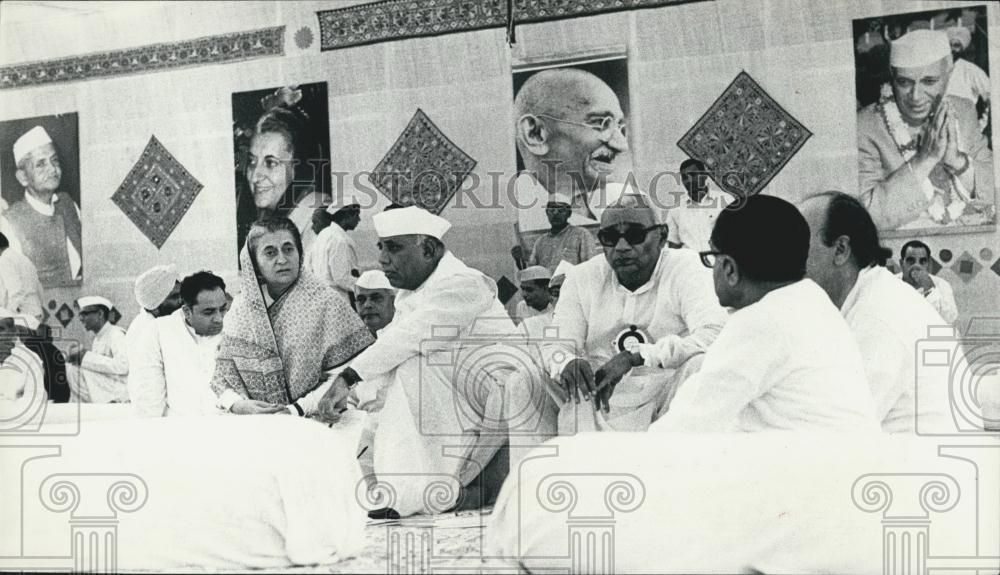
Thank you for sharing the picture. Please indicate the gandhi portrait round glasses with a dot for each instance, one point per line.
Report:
(602, 126)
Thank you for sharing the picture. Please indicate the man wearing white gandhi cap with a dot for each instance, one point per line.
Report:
(98, 375)
(534, 284)
(444, 309)
(45, 224)
(375, 298)
(922, 160)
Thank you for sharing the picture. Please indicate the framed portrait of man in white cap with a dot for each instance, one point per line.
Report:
(40, 195)
(925, 154)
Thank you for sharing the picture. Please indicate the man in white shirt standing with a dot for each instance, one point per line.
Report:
(171, 365)
(689, 225)
(786, 359)
(20, 290)
(333, 257)
(45, 224)
(914, 259)
(637, 316)
(887, 318)
(98, 375)
(443, 409)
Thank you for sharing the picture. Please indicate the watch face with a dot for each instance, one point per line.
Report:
(629, 339)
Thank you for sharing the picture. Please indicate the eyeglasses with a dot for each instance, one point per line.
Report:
(708, 258)
(601, 125)
(634, 235)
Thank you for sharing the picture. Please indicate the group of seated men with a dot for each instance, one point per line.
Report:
(762, 315)
(818, 335)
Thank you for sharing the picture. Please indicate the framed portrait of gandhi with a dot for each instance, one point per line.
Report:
(924, 128)
(40, 195)
(602, 82)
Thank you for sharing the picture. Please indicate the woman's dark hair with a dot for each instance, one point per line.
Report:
(269, 225)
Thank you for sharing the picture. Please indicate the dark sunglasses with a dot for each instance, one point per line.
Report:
(634, 235)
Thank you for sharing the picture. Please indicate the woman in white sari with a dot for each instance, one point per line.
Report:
(285, 331)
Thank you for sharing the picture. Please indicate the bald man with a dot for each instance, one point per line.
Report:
(641, 316)
(570, 131)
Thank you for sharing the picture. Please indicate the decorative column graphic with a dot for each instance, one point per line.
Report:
(93, 520)
(906, 501)
(591, 518)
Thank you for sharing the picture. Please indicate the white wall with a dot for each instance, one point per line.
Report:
(680, 59)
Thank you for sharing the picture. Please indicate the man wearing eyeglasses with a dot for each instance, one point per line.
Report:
(786, 359)
(570, 132)
(642, 316)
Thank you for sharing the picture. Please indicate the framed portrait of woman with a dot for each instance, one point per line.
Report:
(281, 143)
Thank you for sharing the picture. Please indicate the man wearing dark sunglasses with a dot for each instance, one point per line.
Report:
(786, 359)
(642, 315)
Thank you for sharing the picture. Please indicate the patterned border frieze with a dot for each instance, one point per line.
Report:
(155, 57)
(398, 19)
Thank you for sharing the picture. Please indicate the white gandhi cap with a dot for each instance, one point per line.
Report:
(31, 140)
(533, 273)
(374, 279)
(919, 48)
(92, 300)
(409, 220)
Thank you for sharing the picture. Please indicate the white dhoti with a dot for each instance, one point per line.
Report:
(92, 387)
(638, 400)
(435, 438)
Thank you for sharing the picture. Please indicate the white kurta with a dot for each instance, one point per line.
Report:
(941, 297)
(139, 324)
(787, 362)
(20, 290)
(171, 368)
(102, 374)
(676, 313)
(690, 224)
(436, 423)
(889, 318)
(524, 311)
(332, 257)
(968, 81)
